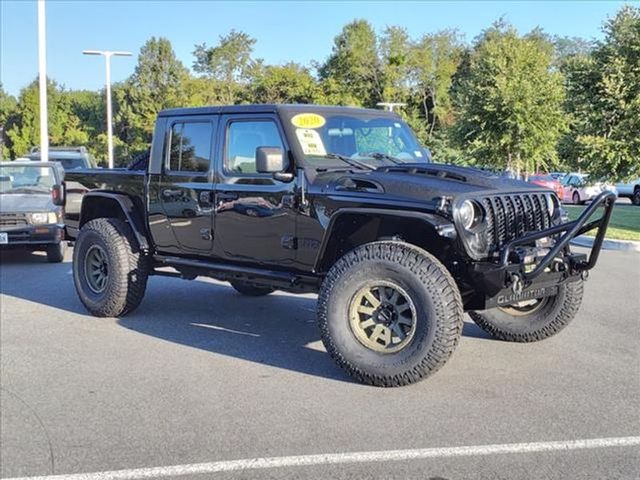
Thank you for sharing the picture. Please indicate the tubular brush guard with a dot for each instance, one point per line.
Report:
(572, 229)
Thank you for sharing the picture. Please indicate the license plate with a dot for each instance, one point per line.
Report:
(534, 293)
(4, 238)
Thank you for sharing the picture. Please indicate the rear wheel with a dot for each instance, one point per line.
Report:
(55, 253)
(251, 290)
(576, 199)
(109, 270)
(532, 320)
(636, 196)
(390, 314)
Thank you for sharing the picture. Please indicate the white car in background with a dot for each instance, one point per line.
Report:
(578, 189)
(630, 190)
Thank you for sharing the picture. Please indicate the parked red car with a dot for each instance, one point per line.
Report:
(547, 181)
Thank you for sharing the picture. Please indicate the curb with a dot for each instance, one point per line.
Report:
(624, 245)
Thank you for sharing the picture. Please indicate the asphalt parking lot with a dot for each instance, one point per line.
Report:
(199, 374)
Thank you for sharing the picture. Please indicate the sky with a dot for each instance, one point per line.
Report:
(300, 31)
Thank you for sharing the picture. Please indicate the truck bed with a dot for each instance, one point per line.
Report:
(79, 182)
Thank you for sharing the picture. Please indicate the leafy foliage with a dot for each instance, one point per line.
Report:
(230, 63)
(354, 64)
(603, 100)
(510, 101)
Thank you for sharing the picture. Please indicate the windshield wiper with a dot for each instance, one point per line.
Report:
(385, 156)
(350, 161)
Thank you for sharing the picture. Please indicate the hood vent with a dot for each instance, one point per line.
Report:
(358, 185)
(433, 172)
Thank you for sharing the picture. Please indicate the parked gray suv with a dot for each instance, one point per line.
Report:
(70, 158)
(31, 197)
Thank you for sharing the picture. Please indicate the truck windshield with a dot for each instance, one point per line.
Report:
(69, 163)
(27, 178)
(327, 140)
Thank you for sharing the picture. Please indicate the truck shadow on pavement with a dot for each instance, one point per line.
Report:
(277, 330)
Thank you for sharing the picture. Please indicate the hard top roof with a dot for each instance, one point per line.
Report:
(60, 154)
(272, 108)
(25, 162)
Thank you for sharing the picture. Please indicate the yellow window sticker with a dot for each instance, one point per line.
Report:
(310, 142)
(308, 120)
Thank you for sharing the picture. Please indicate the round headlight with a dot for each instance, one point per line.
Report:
(551, 204)
(470, 214)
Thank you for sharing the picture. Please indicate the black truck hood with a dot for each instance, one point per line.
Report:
(420, 182)
(23, 203)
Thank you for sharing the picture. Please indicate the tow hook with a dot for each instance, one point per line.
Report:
(584, 275)
(517, 285)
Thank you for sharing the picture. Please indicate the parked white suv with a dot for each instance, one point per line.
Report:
(578, 188)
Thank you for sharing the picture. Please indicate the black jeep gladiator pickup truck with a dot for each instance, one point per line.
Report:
(343, 202)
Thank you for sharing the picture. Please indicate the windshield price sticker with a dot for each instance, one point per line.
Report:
(310, 142)
(308, 120)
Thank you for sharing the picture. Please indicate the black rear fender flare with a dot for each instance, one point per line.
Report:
(115, 205)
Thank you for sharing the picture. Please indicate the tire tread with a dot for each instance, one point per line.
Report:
(430, 271)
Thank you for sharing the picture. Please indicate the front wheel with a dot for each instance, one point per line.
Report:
(109, 270)
(534, 320)
(55, 253)
(635, 199)
(390, 314)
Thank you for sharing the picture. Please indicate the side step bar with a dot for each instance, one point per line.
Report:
(190, 268)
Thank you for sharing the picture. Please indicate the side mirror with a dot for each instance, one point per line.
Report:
(270, 160)
(57, 194)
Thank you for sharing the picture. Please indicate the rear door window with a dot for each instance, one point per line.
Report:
(190, 147)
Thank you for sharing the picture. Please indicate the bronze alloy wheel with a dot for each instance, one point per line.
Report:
(96, 268)
(382, 316)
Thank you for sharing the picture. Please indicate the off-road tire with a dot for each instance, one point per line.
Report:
(251, 290)
(432, 289)
(55, 253)
(546, 322)
(128, 268)
(635, 199)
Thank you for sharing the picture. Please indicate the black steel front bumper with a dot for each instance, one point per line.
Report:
(533, 266)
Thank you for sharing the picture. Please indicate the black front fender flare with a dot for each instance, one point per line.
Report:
(442, 226)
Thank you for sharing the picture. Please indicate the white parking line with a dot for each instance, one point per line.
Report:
(336, 458)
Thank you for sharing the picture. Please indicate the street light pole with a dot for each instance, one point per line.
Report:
(107, 54)
(42, 81)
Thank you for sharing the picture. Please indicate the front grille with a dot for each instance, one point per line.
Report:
(13, 220)
(512, 216)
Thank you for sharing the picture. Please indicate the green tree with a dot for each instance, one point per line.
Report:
(354, 65)
(8, 110)
(65, 128)
(433, 62)
(290, 83)
(395, 58)
(157, 83)
(509, 101)
(604, 101)
(230, 63)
